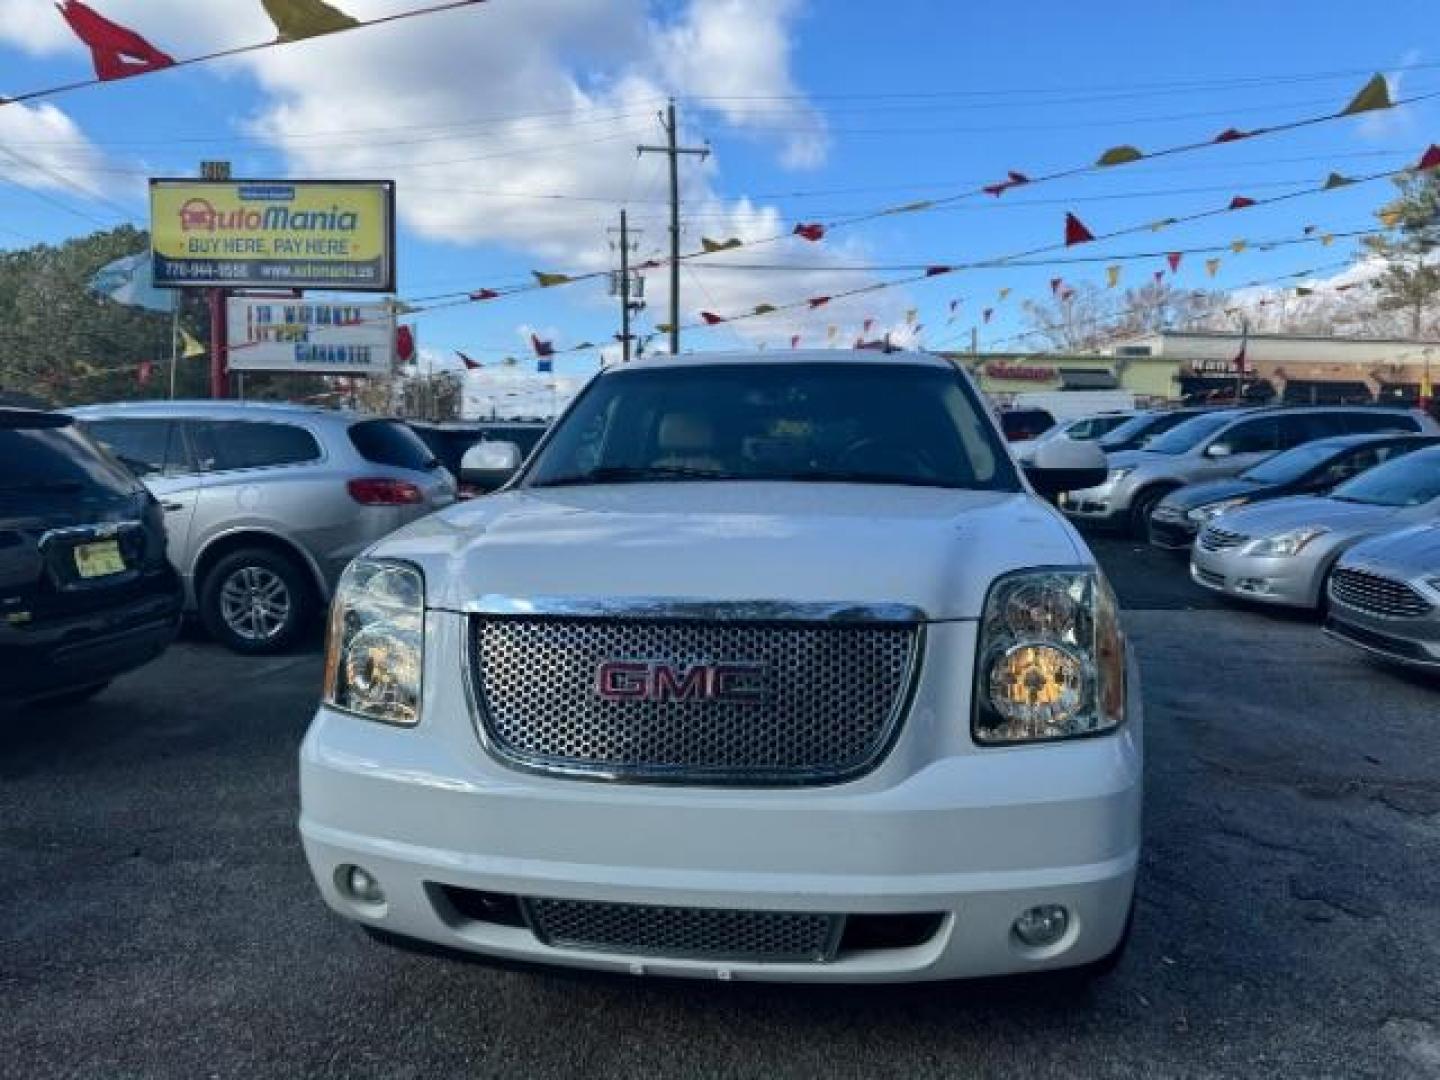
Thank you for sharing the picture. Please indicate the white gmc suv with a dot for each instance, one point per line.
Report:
(762, 667)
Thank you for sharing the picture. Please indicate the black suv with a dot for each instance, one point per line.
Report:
(86, 592)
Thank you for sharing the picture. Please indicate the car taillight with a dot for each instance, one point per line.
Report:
(377, 491)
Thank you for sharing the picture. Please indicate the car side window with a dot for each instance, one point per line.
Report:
(146, 447)
(1353, 464)
(1364, 422)
(1250, 437)
(221, 445)
(1307, 427)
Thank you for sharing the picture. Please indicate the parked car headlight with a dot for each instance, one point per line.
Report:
(1202, 515)
(1052, 659)
(1286, 543)
(376, 646)
(1114, 476)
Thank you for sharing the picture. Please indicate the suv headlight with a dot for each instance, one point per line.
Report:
(1052, 659)
(1114, 476)
(1203, 515)
(1286, 543)
(376, 646)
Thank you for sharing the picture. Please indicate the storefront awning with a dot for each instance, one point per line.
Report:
(1088, 379)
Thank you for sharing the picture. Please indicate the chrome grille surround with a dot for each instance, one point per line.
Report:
(838, 681)
(1375, 594)
(683, 932)
(1213, 539)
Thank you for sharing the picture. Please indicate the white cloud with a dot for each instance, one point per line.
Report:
(41, 147)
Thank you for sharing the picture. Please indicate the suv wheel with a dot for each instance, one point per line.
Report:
(255, 601)
(1145, 503)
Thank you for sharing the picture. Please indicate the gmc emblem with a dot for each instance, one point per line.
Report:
(659, 681)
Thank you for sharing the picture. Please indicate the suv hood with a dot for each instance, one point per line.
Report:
(1404, 554)
(1298, 511)
(937, 550)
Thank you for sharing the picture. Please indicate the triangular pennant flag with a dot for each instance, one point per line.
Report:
(817, 302)
(1326, 239)
(936, 271)
(405, 344)
(484, 294)
(1055, 284)
(470, 365)
(189, 346)
(1309, 230)
(583, 345)
(985, 315)
(300, 19)
(1076, 232)
(116, 51)
(1067, 294)
(910, 208)
(712, 246)
(1375, 94)
(763, 309)
(1430, 159)
(868, 324)
(1237, 246)
(953, 305)
(1015, 180)
(1347, 285)
(1119, 155)
(1212, 266)
(664, 327)
(542, 348)
(1159, 276)
(1003, 294)
(1389, 218)
(1335, 180)
(548, 280)
(1174, 260)
(1240, 202)
(811, 231)
(1112, 276)
(1163, 223)
(911, 316)
(794, 341)
(711, 318)
(1232, 135)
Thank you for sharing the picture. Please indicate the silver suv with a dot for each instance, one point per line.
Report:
(1218, 445)
(265, 504)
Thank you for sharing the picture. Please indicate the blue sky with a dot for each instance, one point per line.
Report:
(814, 111)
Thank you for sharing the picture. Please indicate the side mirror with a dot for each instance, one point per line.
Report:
(1066, 465)
(1218, 449)
(489, 465)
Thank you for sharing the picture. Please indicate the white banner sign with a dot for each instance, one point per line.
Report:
(324, 337)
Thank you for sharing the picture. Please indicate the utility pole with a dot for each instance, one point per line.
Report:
(219, 330)
(667, 121)
(627, 285)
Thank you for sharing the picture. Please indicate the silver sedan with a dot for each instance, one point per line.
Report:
(1282, 552)
(1385, 597)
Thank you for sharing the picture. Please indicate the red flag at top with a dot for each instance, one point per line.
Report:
(711, 318)
(936, 271)
(117, 52)
(143, 371)
(1076, 232)
(405, 344)
(1174, 260)
(1240, 202)
(1232, 135)
(1015, 180)
(542, 348)
(1430, 159)
(484, 294)
(470, 365)
(811, 231)
(817, 302)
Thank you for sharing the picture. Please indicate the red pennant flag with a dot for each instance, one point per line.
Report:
(936, 271)
(143, 371)
(1159, 276)
(1066, 295)
(1015, 180)
(1055, 284)
(470, 365)
(811, 231)
(117, 52)
(1430, 159)
(1174, 260)
(868, 324)
(1232, 135)
(794, 341)
(1240, 202)
(711, 318)
(405, 344)
(985, 315)
(817, 302)
(542, 348)
(484, 294)
(1076, 232)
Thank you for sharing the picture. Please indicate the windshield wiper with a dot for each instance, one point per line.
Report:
(837, 476)
(630, 474)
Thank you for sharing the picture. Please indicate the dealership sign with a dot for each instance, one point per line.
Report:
(255, 234)
(301, 335)
(1019, 372)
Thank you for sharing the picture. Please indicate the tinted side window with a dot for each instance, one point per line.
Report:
(247, 444)
(56, 458)
(1306, 427)
(387, 442)
(1379, 421)
(146, 447)
(1251, 437)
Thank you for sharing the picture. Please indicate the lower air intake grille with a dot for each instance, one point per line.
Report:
(695, 933)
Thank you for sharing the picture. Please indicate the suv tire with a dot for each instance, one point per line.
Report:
(256, 601)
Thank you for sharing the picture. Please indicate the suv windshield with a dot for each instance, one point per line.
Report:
(815, 422)
(1290, 466)
(44, 456)
(1407, 481)
(1185, 437)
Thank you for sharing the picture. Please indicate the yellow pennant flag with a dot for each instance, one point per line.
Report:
(764, 309)
(1375, 94)
(1212, 266)
(1156, 226)
(1120, 155)
(189, 346)
(300, 19)
(1389, 218)
(712, 246)
(1003, 294)
(1237, 246)
(548, 280)
(1326, 239)
(1112, 276)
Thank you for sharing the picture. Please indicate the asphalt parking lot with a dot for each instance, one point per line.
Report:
(156, 916)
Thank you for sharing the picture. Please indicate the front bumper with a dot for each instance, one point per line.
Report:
(1172, 531)
(1411, 642)
(974, 837)
(1291, 581)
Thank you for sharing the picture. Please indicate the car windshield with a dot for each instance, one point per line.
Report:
(1185, 437)
(1293, 464)
(52, 458)
(806, 422)
(1407, 481)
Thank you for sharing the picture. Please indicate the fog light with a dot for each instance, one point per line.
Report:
(361, 885)
(1040, 927)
